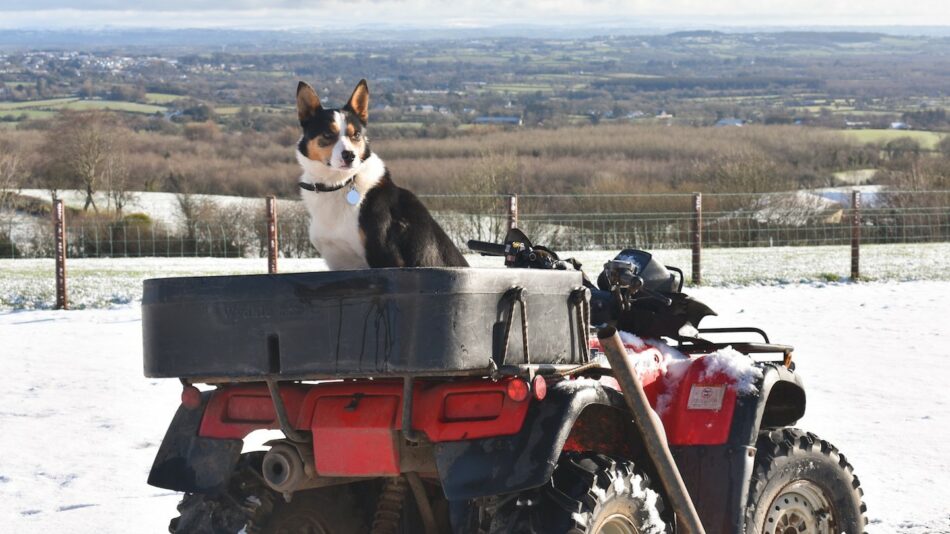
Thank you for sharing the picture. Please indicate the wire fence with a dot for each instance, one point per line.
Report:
(562, 222)
(591, 222)
(133, 238)
(582, 222)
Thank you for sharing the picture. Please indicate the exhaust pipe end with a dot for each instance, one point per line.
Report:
(283, 468)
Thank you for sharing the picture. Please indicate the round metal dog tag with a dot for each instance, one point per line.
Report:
(353, 196)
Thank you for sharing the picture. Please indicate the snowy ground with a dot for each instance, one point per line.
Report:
(106, 282)
(80, 424)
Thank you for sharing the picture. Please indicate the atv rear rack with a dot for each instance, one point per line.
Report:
(701, 346)
(698, 345)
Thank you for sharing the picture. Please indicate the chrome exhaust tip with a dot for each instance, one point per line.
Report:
(283, 468)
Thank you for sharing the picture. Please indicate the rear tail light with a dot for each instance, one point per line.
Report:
(517, 390)
(540, 387)
(190, 397)
(473, 406)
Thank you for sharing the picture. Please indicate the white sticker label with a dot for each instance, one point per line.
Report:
(705, 397)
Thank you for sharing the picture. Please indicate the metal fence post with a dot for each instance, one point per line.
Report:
(512, 211)
(59, 230)
(697, 238)
(271, 235)
(855, 235)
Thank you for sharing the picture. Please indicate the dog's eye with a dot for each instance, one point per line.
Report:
(357, 135)
(328, 136)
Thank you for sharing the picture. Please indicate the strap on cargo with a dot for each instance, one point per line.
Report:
(514, 296)
(580, 297)
(408, 433)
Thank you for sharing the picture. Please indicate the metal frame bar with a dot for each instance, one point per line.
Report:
(735, 330)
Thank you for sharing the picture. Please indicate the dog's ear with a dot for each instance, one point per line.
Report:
(359, 101)
(308, 103)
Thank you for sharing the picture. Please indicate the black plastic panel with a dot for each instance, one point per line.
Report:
(187, 462)
(354, 323)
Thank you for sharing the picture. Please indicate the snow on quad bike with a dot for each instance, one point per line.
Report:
(473, 400)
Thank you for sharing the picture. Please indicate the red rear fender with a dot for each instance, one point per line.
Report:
(355, 425)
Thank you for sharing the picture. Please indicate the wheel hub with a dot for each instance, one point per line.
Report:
(800, 508)
(617, 524)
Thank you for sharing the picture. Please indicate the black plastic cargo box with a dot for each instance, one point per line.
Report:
(423, 321)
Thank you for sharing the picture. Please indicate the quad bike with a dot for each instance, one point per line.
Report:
(474, 400)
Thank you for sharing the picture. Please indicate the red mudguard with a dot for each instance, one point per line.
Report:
(355, 425)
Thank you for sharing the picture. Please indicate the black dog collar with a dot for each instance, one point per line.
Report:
(321, 188)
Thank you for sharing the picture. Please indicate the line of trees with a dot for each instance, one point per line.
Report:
(99, 151)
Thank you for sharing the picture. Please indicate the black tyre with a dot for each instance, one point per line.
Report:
(309, 512)
(589, 493)
(249, 506)
(802, 484)
(208, 514)
(243, 502)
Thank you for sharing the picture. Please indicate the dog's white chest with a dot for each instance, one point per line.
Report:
(335, 229)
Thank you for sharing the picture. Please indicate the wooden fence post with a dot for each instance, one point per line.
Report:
(272, 245)
(59, 230)
(855, 235)
(512, 211)
(697, 238)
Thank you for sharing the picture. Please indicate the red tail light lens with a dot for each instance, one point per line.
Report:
(473, 406)
(540, 387)
(517, 390)
(190, 397)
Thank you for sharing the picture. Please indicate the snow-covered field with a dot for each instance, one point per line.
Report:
(106, 282)
(80, 424)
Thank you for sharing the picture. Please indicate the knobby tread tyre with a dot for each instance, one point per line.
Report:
(207, 514)
(249, 506)
(244, 501)
(789, 456)
(585, 491)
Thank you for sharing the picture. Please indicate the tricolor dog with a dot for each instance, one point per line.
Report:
(359, 217)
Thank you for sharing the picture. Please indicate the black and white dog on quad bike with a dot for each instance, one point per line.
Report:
(359, 218)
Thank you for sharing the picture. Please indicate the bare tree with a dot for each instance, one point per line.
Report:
(48, 175)
(483, 215)
(115, 179)
(10, 173)
(194, 210)
(82, 149)
(747, 172)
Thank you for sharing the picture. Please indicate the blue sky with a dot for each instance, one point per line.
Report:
(329, 14)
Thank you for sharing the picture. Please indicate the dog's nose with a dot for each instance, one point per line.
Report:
(348, 156)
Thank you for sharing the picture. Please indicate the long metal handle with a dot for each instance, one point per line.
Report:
(422, 502)
(654, 437)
